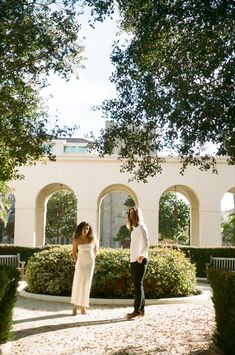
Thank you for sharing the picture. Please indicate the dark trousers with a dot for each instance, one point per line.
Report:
(138, 272)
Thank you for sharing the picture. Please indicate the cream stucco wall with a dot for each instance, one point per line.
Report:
(91, 178)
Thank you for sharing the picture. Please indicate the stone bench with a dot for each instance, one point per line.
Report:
(14, 261)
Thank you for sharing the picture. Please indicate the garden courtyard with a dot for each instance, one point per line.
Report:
(47, 328)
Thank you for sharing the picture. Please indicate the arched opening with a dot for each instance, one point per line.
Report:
(228, 218)
(179, 216)
(113, 206)
(61, 217)
(56, 211)
(7, 217)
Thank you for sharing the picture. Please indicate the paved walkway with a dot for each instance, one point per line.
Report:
(47, 328)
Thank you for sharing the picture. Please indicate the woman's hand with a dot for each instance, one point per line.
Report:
(139, 259)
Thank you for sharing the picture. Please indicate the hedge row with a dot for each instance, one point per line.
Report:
(198, 256)
(201, 256)
(9, 278)
(223, 287)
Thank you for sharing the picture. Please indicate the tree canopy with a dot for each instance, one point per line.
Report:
(61, 215)
(174, 218)
(37, 38)
(174, 79)
(228, 229)
(175, 84)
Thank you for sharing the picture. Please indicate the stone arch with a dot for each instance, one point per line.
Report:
(40, 210)
(225, 213)
(194, 210)
(105, 192)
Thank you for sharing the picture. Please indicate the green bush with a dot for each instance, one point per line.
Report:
(25, 252)
(223, 286)
(9, 278)
(50, 271)
(169, 273)
(197, 255)
(112, 278)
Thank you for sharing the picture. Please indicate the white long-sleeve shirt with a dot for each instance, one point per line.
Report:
(139, 242)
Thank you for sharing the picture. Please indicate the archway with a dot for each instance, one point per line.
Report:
(40, 210)
(227, 218)
(192, 199)
(7, 217)
(113, 204)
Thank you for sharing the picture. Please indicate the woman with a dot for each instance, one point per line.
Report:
(138, 259)
(84, 253)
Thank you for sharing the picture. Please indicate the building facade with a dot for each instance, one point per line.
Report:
(79, 169)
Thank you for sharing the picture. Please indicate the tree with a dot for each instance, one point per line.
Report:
(228, 229)
(7, 211)
(61, 215)
(124, 233)
(175, 84)
(174, 218)
(37, 38)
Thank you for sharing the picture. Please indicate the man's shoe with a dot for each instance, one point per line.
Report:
(142, 313)
(133, 315)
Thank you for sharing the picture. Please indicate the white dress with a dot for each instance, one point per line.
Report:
(83, 274)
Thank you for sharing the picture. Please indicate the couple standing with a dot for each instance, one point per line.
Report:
(84, 253)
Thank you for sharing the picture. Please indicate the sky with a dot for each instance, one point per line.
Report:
(72, 101)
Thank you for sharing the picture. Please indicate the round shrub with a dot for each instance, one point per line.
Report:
(169, 274)
(51, 271)
(112, 278)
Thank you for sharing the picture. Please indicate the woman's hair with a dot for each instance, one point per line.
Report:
(129, 222)
(78, 232)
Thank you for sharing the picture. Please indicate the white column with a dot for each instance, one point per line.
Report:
(209, 230)
(25, 227)
(151, 221)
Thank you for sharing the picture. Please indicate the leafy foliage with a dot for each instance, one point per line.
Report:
(174, 218)
(169, 273)
(61, 215)
(50, 271)
(9, 278)
(228, 229)
(123, 233)
(175, 84)
(223, 287)
(37, 38)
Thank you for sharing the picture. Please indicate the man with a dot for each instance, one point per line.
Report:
(138, 259)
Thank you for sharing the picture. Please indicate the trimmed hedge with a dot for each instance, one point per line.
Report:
(9, 278)
(223, 286)
(198, 256)
(169, 273)
(201, 256)
(25, 252)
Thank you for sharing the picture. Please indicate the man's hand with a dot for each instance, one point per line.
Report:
(139, 259)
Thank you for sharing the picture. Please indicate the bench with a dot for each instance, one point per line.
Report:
(14, 261)
(220, 263)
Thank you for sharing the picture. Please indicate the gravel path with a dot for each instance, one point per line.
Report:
(47, 328)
